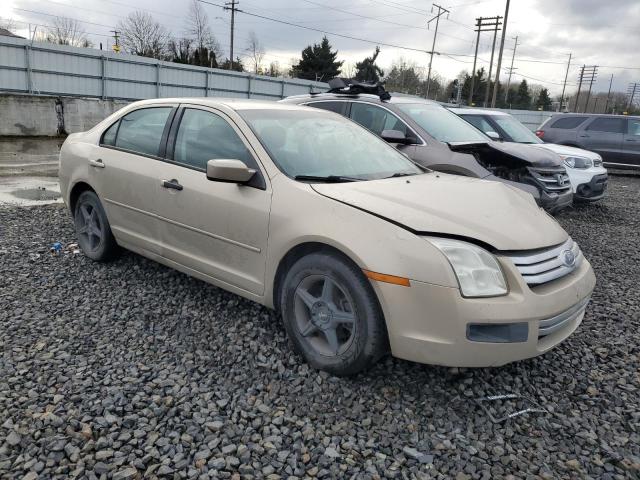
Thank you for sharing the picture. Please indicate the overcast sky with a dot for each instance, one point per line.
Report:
(596, 32)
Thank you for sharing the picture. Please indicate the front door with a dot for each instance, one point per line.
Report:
(122, 170)
(603, 135)
(215, 228)
(631, 142)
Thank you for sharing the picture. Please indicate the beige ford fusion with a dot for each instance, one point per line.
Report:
(361, 251)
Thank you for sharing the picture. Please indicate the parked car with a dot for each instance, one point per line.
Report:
(301, 210)
(436, 138)
(588, 176)
(615, 138)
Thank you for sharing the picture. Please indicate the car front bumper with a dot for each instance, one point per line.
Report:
(430, 323)
(554, 202)
(592, 190)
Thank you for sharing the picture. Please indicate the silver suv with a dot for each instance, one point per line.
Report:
(615, 138)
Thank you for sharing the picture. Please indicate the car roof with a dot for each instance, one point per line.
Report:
(609, 115)
(478, 111)
(395, 98)
(232, 103)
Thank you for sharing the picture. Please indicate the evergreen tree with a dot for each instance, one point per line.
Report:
(544, 101)
(479, 86)
(318, 63)
(522, 100)
(367, 70)
(237, 66)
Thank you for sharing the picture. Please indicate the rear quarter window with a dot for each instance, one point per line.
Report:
(568, 122)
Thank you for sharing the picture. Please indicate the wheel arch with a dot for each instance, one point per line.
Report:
(75, 192)
(293, 255)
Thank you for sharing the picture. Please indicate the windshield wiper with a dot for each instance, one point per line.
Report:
(327, 179)
(401, 174)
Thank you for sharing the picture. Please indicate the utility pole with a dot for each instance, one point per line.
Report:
(504, 32)
(590, 74)
(231, 6)
(493, 50)
(116, 44)
(482, 25)
(506, 91)
(441, 11)
(579, 87)
(564, 85)
(606, 105)
(631, 91)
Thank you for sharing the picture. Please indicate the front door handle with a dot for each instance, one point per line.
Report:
(173, 184)
(97, 163)
(584, 136)
(631, 140)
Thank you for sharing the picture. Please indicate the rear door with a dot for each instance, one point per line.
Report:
(123, 171)
(604, 135)
(215, 228)
(631, 142)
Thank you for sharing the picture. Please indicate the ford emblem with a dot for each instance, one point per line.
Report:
(568, 258)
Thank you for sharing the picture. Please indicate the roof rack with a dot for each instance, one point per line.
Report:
(349, 86)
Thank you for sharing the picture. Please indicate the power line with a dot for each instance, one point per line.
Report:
(320, 30)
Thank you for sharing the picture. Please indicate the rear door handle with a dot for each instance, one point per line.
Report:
(97, 163)
(584, 136)
(631, 140)
(173, 184)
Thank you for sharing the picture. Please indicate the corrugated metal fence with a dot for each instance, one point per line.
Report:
(43, 68)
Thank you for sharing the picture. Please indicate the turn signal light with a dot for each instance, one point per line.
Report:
(382, 277)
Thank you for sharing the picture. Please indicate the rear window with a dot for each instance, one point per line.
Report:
(568, 122)
(608, 125)
(337, 107)
(141, 130)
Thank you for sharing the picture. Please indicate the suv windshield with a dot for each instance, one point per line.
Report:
(517, 131)
(318, 144)
(441, 124)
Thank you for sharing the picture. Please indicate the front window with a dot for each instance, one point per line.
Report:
(442, 124)
(313, 143)
(517, 131)
(376, 119)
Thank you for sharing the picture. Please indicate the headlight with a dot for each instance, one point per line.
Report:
(478, 271)
(577, 162)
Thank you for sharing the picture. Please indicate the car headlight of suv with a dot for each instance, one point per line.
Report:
(478, 272)
(572, 161)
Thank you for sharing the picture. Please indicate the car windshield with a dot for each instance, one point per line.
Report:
(441, 124)
(314, 143)
(516, 130)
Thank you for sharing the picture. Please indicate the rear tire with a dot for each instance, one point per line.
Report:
(92, 228)
(332, 315)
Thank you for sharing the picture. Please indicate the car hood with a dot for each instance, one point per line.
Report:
(511, 153)
(566, 150)
(436, 203)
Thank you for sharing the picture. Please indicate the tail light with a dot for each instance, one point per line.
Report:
(540, 133)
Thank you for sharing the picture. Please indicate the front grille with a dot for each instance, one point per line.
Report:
(551, 325)
(544, 265)
(551, 179)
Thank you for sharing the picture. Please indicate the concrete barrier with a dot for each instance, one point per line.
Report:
(48, 116)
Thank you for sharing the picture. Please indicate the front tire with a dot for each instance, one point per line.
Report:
(332, 315)
(92, 228)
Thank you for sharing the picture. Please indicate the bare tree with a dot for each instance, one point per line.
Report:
(255, 51)
(274, 69)
(142, 35)
(8, 24)
(199, 29)
(67, 31)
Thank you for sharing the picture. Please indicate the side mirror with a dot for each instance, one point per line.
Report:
(230, 171)
(493, 136)
(395, 136)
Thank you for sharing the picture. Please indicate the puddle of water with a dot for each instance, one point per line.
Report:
(29, 191)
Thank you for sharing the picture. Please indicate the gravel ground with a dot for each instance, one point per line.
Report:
(130, 370)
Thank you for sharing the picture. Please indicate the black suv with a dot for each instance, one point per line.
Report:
(434, 137)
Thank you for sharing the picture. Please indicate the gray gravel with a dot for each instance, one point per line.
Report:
(131, 370)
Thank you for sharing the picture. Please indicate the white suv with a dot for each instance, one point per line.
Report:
(587, 175)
